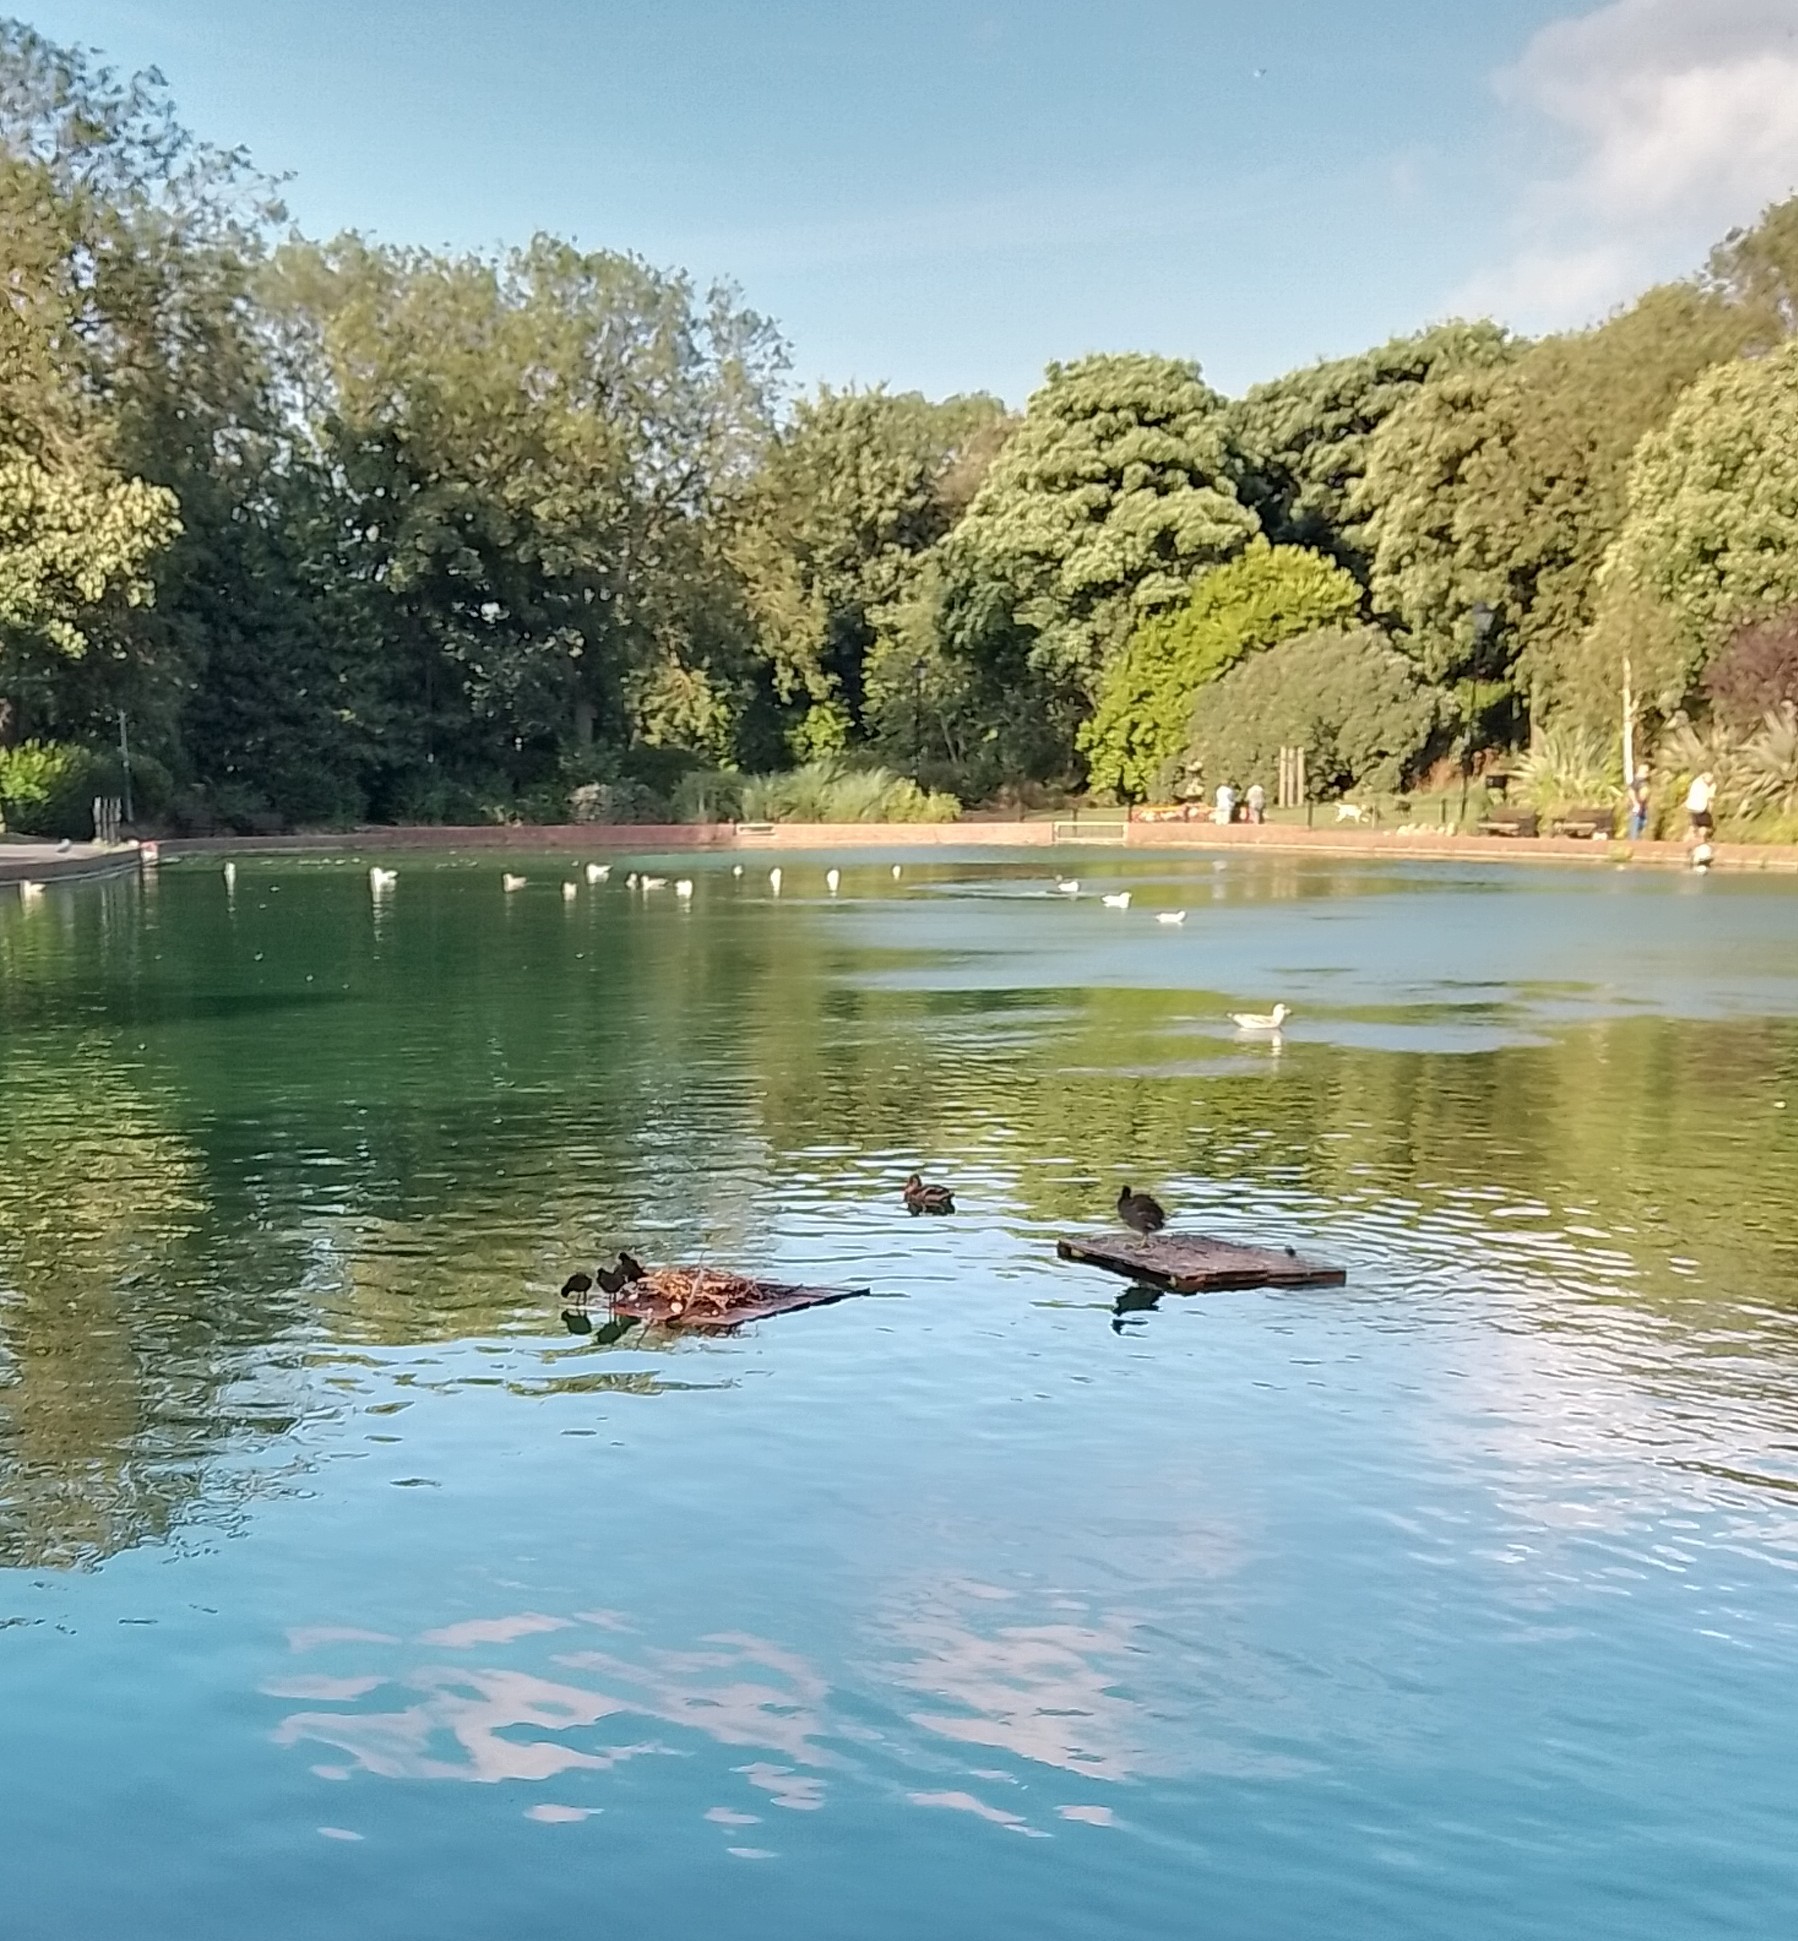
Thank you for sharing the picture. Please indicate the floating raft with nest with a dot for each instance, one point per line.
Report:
(1194, 1263)
(709, 1298)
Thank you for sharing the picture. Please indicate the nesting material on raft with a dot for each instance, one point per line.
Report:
(711, 1298)
(1194, 1263)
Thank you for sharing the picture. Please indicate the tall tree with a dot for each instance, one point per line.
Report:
(832, 532)
(1115, 492)
(1305, 438)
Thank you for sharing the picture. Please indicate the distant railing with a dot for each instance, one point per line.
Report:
(1091, 828)
(108, 818)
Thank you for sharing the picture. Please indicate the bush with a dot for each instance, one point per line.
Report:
(1756, 674)
(1770, 757)
(622, 801)
(47, 788)
(1569, 767)
(708, 795)
(832, 791)
(1144, 715)
(1352, 701)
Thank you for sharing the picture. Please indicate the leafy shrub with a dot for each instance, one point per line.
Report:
(1352, 701)
(708, 795)
(1569, 767)
(622, 801)
(1144, 715)
(831, 791)
(1756, 674)
(47, 788)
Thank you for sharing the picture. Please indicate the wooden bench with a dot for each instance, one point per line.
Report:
(1595, 824)
(1511, 822)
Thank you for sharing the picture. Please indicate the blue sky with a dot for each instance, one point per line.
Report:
(948, 196)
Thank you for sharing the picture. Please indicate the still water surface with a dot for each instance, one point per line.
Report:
(344, 1592)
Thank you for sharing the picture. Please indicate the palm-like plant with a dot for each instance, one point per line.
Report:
(1569, 767)
(1770, 761)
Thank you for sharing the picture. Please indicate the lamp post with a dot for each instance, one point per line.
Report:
(1483, 619)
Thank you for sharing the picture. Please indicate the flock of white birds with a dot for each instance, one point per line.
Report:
(381, 882)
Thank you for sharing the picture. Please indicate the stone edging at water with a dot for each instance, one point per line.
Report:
(45, 863)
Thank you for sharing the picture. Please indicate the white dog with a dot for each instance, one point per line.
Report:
(1350, 812)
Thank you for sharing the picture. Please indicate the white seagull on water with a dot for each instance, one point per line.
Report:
(1260, 1020)
(1121, 901)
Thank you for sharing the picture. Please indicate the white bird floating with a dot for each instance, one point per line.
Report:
(653, 883)
(30, 892)
(630, 882)
(736, 869)
(774, 880)
(570, 891)
(1260, 1020)
(1069, 886)
(382, 879)
(598, 872)
(684, 889)
(832, 879)
(1121, 901)
(1170, 916)
(898, 871)
(230, 876)
(509, 882)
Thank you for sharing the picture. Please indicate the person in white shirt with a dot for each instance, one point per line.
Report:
(1700, 799)
(1226, 802)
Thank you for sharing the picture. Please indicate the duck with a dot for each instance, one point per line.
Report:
(613, 1280)
(382, 879)
(1121, 901)
(736, 869)
(920, 1198)
(510, 883)
(1170, 916)
(570, 890)
(576, 1286)
(898, 871)
(598, 872)
(1141, 1212)
(684, 889)
(774, 880)
(1069, 886)
(30, 892)
(1261, 1020)
(832, 880)
(652, 883)
(630, 882)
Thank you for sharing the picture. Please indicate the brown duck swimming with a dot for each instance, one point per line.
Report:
(1141, 1212)
(920, 1198)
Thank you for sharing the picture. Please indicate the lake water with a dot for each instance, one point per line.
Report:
(345, 1592)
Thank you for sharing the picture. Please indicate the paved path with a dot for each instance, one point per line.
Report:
(44, 862)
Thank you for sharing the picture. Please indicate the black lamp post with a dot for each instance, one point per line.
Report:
(1483, 619)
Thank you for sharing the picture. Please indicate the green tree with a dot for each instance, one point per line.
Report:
(1352, 701)
(1505, 483)
(832, 530)
(1711, 531)
(1305, 438)
(1114, 493)
(1144, 715)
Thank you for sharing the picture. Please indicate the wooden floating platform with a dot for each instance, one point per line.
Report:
(770, 1298)
(1194, 1263)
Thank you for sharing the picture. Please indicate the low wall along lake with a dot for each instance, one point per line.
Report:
(347, 1588)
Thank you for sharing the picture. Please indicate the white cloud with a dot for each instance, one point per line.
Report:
(1674, 120)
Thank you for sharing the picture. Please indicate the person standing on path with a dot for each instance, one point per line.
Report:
(1701, 798)
(1226, 803)
(1257, 802)
(1638, 805)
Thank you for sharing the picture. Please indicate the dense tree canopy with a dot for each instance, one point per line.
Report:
(1113, 493)
(1352, 701)
(351, 531)
(1144, 717)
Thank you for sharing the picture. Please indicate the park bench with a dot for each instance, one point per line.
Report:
(1510, 822)
(1594, 824)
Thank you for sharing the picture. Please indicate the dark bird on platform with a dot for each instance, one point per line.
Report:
(920, 1198)
(614, 1280)
(1140, 1211)
(577, 1285)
